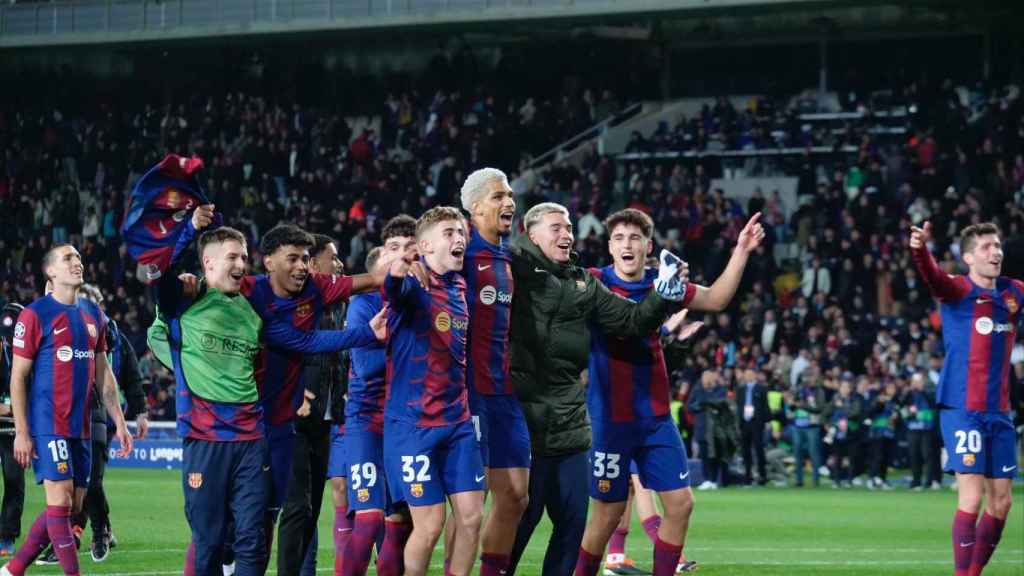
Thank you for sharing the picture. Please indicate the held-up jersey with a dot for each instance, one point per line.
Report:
(426, 354)
(279, 372)
(628, 380)
(62, 341)
(366, 389)
(978, 330)
(488, 272)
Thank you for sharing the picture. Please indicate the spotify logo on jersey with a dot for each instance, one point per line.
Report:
(65, 353)
(489, 295)
(986, 326)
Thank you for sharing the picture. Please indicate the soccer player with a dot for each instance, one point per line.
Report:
(431, 450)
(617, 562)
(628, 398)
(497, 416)
(359, 452)
(980, 318)
(215, 337)
(290, 294)
(60, 342)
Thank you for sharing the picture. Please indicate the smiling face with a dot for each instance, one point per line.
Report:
(288, 267)
(443, 245)
(553, 235)
(64, 267)
(985, 256)
(224, 265)
(493, 212)
(629, 249)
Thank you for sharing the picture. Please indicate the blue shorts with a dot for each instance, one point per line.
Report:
(423, 465)
(504, 436)
(979, 443)
(281, 454)
(478, 416)
(364, 456)
(337, 465)
(655, 447)
(59, 458)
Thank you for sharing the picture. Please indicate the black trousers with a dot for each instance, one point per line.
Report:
(922, 454)
(881, 455)
(301, 510)
(752, 443)
(560, 485)
(96, 509)
(14, 490)
(842, 460)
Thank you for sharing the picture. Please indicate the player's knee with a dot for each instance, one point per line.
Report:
(1000, 504)
(512, 502)
(430, 532)
(470, 520)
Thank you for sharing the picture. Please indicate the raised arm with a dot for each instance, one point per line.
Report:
(365, 360)
(941, 285)
(717, 297)
(619, 316)
(285, 336)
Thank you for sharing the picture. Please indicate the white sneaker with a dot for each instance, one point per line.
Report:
(707, 485)
(229, 569)
(858, 481)
(936, 485)
(4, 571)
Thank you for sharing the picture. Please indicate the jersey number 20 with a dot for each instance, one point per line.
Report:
(968, 441)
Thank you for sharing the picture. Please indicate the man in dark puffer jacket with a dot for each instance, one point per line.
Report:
(554, 301)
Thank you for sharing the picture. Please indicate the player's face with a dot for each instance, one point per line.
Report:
(986, 257)
(65, 268)
(553, 235)
(495, 209)
(629, 249)
(288, 267)
(327, 261)
(403, 247)
(444, 246)
(224, 265)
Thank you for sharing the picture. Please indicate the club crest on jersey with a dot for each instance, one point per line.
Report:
(968, 459)
(304, 309)
(195, 480)
(363, 494)
(416, 490)
(172, 198)
(92, 330)
(62, 467)
(604, 486)
(1011, 303)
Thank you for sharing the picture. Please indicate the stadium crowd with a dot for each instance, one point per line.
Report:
(839, 313)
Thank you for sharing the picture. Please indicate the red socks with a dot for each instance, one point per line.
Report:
(963, 541)
(58, 526)
(35, 542)
(587, 564)
(391, 557)
(493, 564)
(342, 531)
(360, 544)
(666, 557)
(651, 525)
(987, 535)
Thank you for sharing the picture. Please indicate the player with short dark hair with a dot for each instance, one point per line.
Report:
(431, 451)
(628, 399)
(60, 342)
(358, 450)
(980, 318)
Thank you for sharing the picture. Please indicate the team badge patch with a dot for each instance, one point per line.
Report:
(581, 285)
(92, 330)
(968, 459)
(19, 330)
(443, 322)
(416, 490)
(1011, 303)
(363, 495)
(62, 467)
(304, 309)
(604, 486)
(195, 480)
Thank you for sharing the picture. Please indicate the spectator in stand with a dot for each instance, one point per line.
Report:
(884, 414)
(843, 415)
(711, 396)
(806, 405)
(919, 411)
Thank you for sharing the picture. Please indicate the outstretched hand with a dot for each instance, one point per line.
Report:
(202, 216)
(919, 237)
(379, 324)
(752, 234)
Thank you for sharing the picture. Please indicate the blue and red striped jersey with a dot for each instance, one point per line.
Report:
(366, 389)
(62, 342)
(978, 330)
(628, 380)
(426, 353)
(279, 372)
(488, 273)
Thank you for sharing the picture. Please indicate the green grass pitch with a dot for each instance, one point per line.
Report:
(735, 531)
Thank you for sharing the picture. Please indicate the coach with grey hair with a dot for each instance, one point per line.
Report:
(554, 304)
